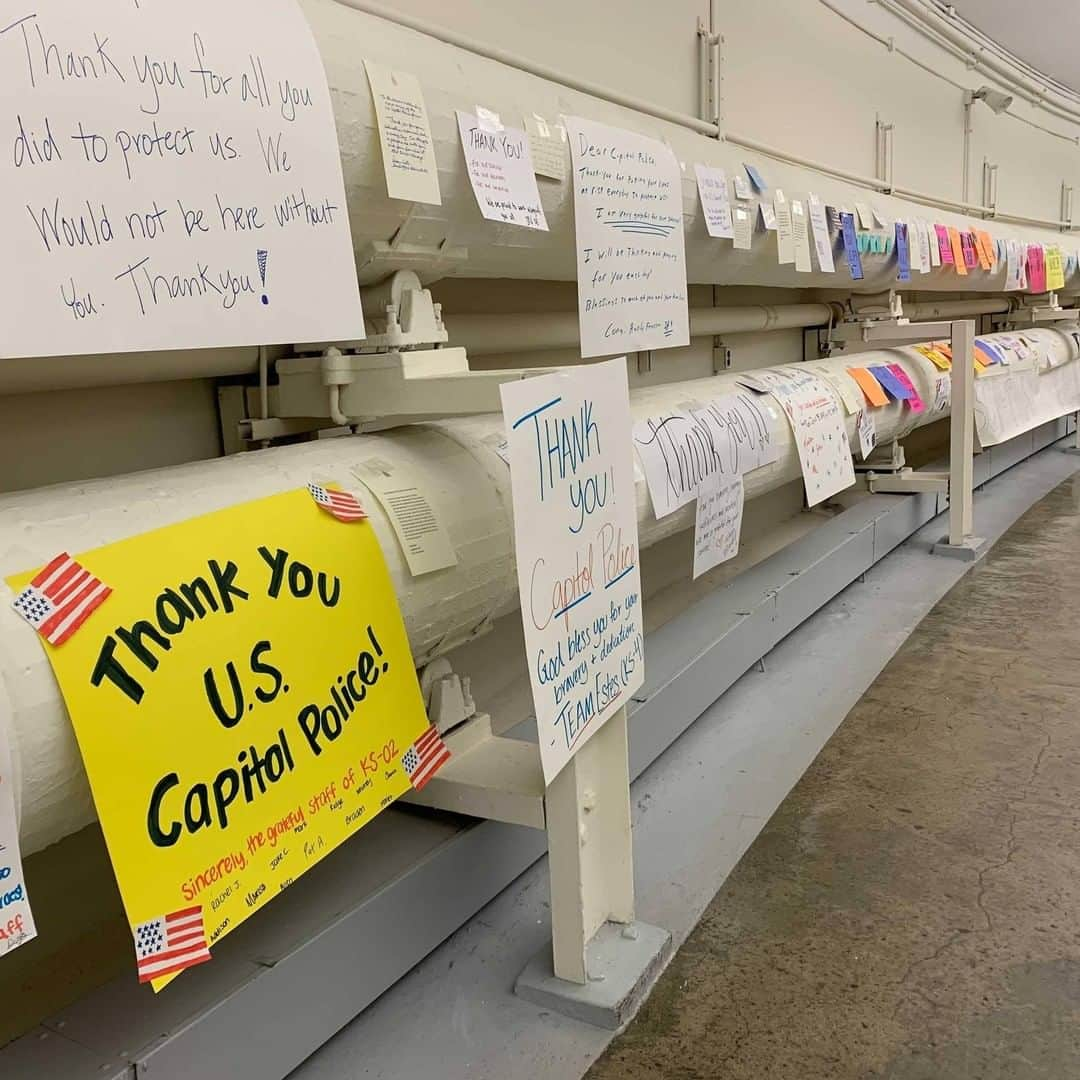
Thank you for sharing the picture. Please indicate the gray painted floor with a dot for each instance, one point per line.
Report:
(696, 810)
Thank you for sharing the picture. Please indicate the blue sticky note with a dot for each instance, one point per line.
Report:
(755, 177)
(891, 384)
(851, 246)
(903, 254)
(991, 351)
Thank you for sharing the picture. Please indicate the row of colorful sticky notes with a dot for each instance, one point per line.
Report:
(882, 382)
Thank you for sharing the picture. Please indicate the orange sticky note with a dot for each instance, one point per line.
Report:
(957, 251)
(944, 348)
(980, 251)
(979, 365)
(986, 242)
(869, 386)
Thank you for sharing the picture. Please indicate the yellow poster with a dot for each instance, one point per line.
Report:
(1055, 269)
(243, 701)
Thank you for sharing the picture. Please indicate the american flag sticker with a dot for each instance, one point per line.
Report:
(60, 599)
(425, 758)
(343, 505)
(170, 943)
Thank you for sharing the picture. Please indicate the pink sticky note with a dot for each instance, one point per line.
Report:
(944, 244)
(1036, 268)
(914, 400)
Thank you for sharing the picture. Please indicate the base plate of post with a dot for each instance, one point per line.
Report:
(968, 550)
(622, 961)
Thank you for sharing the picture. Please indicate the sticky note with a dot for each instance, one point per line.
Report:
(870, 387)
(991, 352)
(1055, 272)
(755, 177)
(935, 356)
(944, 245)
(986, 243)
(904, 380)
(851, 247)
(891, 384)
(742, 188)
(957, 247)
(1036, 268)
(967, 246)
(903, 255)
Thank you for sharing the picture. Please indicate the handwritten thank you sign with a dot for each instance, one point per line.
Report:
(171, 177)
(244, 702)
(575, 528)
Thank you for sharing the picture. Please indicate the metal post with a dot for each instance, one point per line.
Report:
(589, 847)
(960, 542)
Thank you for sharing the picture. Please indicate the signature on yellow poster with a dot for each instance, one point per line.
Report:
(244, 701)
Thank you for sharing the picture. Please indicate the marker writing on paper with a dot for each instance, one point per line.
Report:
(261, 257)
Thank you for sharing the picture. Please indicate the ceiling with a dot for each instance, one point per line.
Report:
(1043, 34)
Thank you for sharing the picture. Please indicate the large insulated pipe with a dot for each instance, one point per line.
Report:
(466, 479)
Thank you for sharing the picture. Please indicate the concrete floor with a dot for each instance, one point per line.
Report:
(696, 810)
(912, 910)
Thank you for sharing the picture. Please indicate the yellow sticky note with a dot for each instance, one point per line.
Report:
(937, 358)
(242, 701)
(957, 251)
(1055, 270)
(869, 386)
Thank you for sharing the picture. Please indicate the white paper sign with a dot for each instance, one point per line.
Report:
(718, 522)
(817, 422)
(16, 918)
(171, 175)
(408, 151)
(800, 237)
(715, 204)
(744, 226)
(575, 530)
(866, 428)
(1017, 401)
(682, 448)
(785, 247)
(547, 141)
(500, 170)
(819, 228)
(631, 261)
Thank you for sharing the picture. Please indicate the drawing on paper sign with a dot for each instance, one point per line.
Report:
(60, 598)
(817, 422)
(158, 153)
(682, 448)
(631, 260)
(275, 633)
(575, 536)
(499, 163)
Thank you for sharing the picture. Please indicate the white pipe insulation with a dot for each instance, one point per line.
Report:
(429, 239)
(470, 488)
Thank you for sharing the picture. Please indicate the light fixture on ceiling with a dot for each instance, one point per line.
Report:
(997, 101)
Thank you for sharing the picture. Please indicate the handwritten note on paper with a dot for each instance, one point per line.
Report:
(682, 448)
(715, 204)
(744, 225)
(819, 228)
(16, 919)
(500, 170)
(817, 421)
(844, 385)
(547, 141)
(866, 429)
(408, 150)
(785, 245)
(631, 261)
(944, 244)
(274, 631)
(171, 174)
(800, 237)
(915, 402)
(575, 533)
(1055, 270)
(420, 531)
(718, 522)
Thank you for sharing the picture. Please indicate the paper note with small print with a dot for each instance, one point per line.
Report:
(944, 245)
(680, 449)
(903, 252)
(866, 429)
(16, 918)
(500, 170)
(420, 531)
(1036, 268)
(768, 215)
(870, 387)
(785, 246)
(547, 142)
(866, 217)
(715, 204)
(800, 237)
(576, 543)
(933, 244)
(851, 246)
(819, 228)
(914, 401)
(841, 382)
(408, 151)
(956, 247)
(718, 522)
(631, 261)
(171, 173)
(743, 224)
(742, 187)
(1055, 270)
(817, 421)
